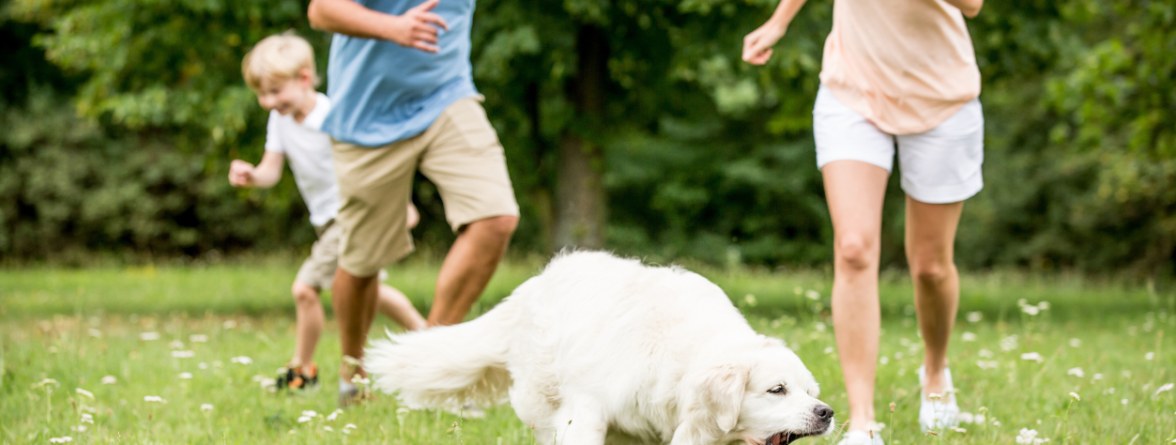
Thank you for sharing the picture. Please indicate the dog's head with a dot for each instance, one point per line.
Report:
(762, 396)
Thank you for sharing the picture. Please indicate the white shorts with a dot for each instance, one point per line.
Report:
(939, 166)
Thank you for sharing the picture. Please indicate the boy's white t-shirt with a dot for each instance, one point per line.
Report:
(308, 150)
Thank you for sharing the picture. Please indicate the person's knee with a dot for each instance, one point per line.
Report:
(499, 227)
(304, 294)
(856, 253)
(931, 271)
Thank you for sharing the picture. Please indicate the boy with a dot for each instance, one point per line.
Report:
(280, 69)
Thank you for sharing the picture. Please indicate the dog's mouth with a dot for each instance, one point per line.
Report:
(786, 437)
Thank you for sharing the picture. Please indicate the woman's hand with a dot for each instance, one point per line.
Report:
(757, 46)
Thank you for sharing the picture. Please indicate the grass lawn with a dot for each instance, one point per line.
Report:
(1111, 344)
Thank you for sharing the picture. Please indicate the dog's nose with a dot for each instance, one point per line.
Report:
(823, 412)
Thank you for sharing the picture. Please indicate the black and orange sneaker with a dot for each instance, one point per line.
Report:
(297, 377)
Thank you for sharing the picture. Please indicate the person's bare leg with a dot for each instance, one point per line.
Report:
(930, 235)
(855, 191)
(308, 313)
(395, 305)
(468, 267)
(354, 299)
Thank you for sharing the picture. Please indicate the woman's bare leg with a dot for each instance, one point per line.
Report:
(930, 235)
(855, 191)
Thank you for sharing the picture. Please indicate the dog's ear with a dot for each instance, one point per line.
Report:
(722, 393)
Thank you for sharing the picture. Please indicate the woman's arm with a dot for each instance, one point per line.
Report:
(267, 172)
(417, 28)
(970, 8)
(757, 46)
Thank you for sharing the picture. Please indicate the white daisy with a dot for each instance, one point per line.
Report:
(1032, 356)
(206, 407)
(84, 392)
(968, 336)
(185, 375)
(975, 317)
(149, 336)
(155, 399)
(1076, 372)
(109, 380)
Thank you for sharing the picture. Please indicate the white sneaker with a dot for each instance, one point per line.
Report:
(858, 437)
(938, 414)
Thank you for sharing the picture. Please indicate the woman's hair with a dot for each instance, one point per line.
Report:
(279, 57)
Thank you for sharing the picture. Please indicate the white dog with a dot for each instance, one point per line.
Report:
(598, 349)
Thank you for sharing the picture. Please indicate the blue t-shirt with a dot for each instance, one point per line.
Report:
(383, 92)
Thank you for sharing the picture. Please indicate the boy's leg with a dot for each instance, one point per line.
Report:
(930, 235)
(855, 191)
(309, 323)
(395, 305)
(466, 161)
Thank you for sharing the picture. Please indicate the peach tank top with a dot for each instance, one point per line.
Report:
(906, 65)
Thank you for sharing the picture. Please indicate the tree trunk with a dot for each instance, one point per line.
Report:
(581, 210)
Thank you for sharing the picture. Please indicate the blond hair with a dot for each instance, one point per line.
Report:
(278, 57)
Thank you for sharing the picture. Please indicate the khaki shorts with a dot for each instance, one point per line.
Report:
(460, 153)
(318, 271)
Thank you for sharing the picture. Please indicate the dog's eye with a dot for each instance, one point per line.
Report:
(778, 389)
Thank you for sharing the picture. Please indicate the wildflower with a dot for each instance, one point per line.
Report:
(1032, 356)
(987, 364)
(1044, 305)
(268, 383)
(242, 360)
(1124, 401)
(995, 422)
(828, 349)
(978, 419)
(303, 419)
(1097, 377)
(350, 426)
(749, 299)
(198, 338)
(206, 407)
(327, 428)
(84, 392)
(62, 439)
(985, 353)
(812, 295)
(78, 429)
(1028, 436)
(356, 379)
(334, 415)
(109, 380)
(1074, 343)
(1008, 343)
(46, 382)
(1076, 372)
(959, 430)
(884, 360)
(1031, 310)
(149, 336)
(176, 344)
(86, 418)
(1075, 396)
(934, 396)
(309, 413)
(819, 326)
(95, 333)
(1149, 356)
(202, 365)
(966, 417)
(155, 399)
(968, 336)
(1164, 388)
(185, 375)
(975, 317)
(183, 354)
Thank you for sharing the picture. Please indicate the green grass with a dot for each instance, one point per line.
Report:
(77, 326)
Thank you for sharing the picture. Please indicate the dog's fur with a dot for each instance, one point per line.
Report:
(599, 349)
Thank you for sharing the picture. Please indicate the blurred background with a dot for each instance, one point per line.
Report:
(628, 125)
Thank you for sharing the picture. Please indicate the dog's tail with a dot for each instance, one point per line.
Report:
(446, 367)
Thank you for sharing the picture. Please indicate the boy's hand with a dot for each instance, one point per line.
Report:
(417, 28)
(240, 173)
(757, 46)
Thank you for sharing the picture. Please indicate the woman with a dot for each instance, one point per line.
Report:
(894, 72)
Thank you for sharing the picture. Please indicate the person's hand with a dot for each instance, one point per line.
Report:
(757, 46)
(240, 173)
(417, 27)
(414, 217)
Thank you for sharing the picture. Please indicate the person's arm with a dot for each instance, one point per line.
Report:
(267, 172)
(757, 46)
(970, 8)
(417, 28)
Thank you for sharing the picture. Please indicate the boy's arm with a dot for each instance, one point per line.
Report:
(417, 28)
(970, 8)
(757, 46)
(267, 172)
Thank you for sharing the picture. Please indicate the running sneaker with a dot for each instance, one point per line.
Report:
(941, 413)
(297, 377)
